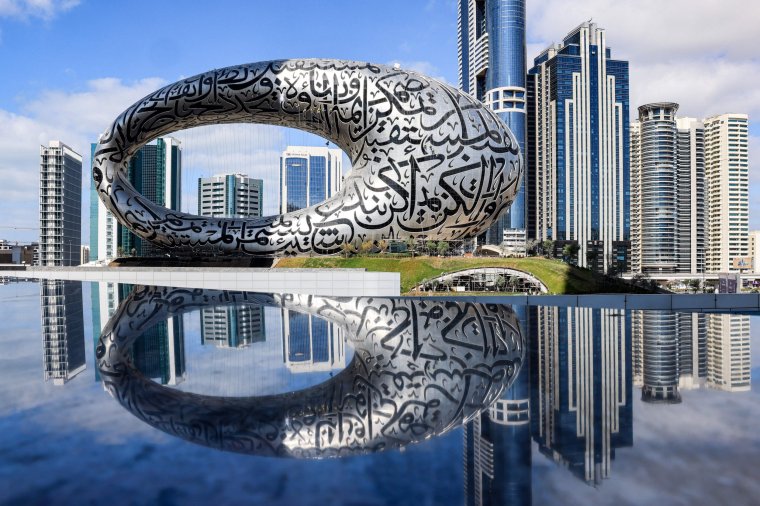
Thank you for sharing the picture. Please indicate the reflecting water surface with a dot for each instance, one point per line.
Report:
(416, 401)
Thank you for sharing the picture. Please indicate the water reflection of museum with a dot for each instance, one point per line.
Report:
(573, 397)
(309, 344)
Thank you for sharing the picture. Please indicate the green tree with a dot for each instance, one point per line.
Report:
(499, 283)
(430, 247)
(547, 247)
(694, 285)
(442, 247)
(570, 251)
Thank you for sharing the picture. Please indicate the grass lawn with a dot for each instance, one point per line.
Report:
(559, 277)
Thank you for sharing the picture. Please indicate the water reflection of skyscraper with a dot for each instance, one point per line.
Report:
(232, 326)
(311, 344)
(62, 330)
(159, 353)
(675, 351)
(581, 387)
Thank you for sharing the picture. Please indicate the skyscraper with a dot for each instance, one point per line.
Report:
(62, 330)
(578, 149)
(667, 191)
(155, 171)
(60, 205)
(492, 68)
(230, 196)
(308, 176)
(726, 172)
(692, 238)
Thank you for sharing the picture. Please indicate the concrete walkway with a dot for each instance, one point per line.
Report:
(327, 282)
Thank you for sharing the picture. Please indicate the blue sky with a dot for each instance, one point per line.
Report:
(70, 66)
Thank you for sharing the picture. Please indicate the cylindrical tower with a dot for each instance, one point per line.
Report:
(657, 175)
(505, 83)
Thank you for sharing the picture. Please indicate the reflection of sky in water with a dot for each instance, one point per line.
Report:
(74, 444)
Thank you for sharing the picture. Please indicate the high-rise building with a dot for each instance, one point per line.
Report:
(492, 68)
(578, 149)
(60, 205)
(581, 389)
(667, 191)
(84, 254)
(308, 176)
(232, 326)
(230, 196)
(692, 197)
(155, 171)
(311, 344)
(726, 173)
(62, 330)
(104, 229)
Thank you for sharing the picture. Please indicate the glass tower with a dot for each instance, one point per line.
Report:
(155, 171)
(492, 68)
(579, 189)
(308, 176)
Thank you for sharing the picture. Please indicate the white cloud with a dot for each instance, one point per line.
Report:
(76, 119)
(43, 9)
(653, 29)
